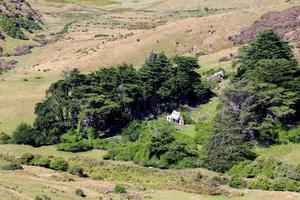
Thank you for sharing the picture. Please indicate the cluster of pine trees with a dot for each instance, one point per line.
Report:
(100, 104)
(263, 98)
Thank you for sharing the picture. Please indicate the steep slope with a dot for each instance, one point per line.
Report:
(16, 15)
(285, 23)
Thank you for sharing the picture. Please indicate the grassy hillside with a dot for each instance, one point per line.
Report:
(285, 152)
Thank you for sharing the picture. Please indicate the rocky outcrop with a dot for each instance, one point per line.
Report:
(19, 9)
(285, 23)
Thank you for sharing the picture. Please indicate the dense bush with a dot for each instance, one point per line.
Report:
(156, 144)
(267, 167)
(40, 161)
(29, 25)
(26, 158)
(84, 145)
(105, 144)
(292, 135)
(266, 174)
(59, 164)
(4, 138)
(187, 118)
(25, 134)
(120, 189)
(76, 170)
(237, 182)
(11, 28)
(11, 166)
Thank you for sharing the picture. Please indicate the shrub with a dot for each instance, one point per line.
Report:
(59, 164)
(187, 118)
(76, 170)
(104, 144)
(4, 138)
(237, 182)
(120, 189)
(79, 192)
(293, 135)
(125, 153)
(219, 180)
(80, 146)
(133, 131)
(11, 166)
(11, 28)
(260, 183)
(42, 197)
(26, 158)
(25, 134)
(278, 185)
(292, 186)
(41, 161)
(101, 35)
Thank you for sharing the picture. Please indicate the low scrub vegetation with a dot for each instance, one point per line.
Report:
(156, 143)
(266, 174)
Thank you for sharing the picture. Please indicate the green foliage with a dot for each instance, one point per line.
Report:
(267, 167)
(40, 161)
(133, 131)
(4, 138)
(269, 75)
(204, 131)
(292, 135)
(76, 170)
(71, 136)
(11, 28)
(237, 182)
(187, 118)
(157, 145)
(261, 183)
(268, 45)
(73, 141)
(25, 134)
(81, 146)
(59, 164)
(109, 99)
(65, 28)
(105, 144)
(120, 189)
(26, 158)
(267, 174)
(29, 25)
(226, 147)
(11, 166)
(264, 95)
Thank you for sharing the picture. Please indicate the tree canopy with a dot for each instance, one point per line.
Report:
(108, 99)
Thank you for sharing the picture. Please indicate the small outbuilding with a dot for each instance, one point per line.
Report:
(219, 74)
(176, 117)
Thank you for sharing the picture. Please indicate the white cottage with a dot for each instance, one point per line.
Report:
(176, 117)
